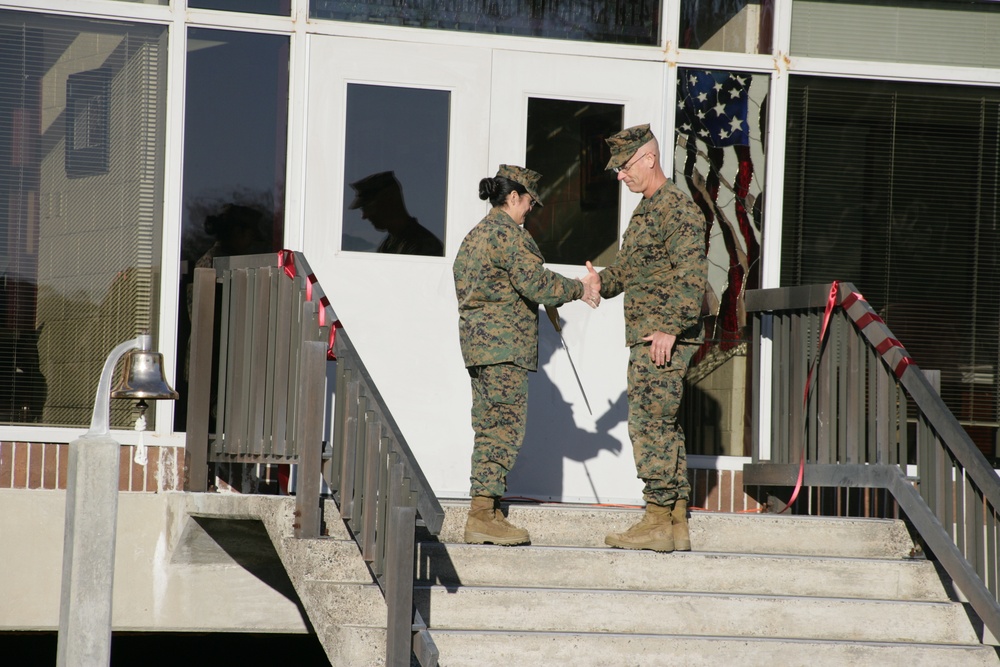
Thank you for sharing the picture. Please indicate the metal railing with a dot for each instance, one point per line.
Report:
(275, 333)
(844, 396)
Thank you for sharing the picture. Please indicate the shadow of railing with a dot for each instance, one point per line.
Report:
(843, 394)
(262, 334)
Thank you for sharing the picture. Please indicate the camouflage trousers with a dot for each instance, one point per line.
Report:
(499, 416)
(654, 398)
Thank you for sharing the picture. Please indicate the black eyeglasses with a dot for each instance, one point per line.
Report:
(626, 167)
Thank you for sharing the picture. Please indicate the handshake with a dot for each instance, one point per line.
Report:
(591, 287)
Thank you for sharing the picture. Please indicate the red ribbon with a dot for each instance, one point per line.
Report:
(831, 301)
(286, 260)
(889, 343)
(330, 354)
(885, 349)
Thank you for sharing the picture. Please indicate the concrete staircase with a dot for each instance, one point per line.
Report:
(332, 583)
(757, 590)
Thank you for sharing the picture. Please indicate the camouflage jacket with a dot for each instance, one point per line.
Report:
(499, 282)
(661, 267)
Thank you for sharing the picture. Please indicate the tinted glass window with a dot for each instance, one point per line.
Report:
(396, 170)
(935, 32)
(614, 21)
(271, 7)
(734, 26)
(235, 124)
(565, 144)
(895, 187)
(81, 171)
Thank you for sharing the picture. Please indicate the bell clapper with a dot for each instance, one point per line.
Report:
(140, 426)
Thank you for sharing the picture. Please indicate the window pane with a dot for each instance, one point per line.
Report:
(81, 171)
(736, 26)
(613, 21)
(565, 144)
(396, 170)
(235, 124)
(939, 32)
(894, 187)
(719, 161)
(269, 7)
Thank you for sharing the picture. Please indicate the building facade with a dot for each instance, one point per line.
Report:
(822, 140)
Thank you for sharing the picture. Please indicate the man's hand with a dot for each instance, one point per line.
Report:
(591, 286)
(661, 347)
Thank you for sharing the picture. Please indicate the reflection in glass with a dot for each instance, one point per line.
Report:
(734, 26)
(81, 163)
(234, 157)
(268, 7)
(396, 170)
(565, 144)
(719, 161)
(611, 21)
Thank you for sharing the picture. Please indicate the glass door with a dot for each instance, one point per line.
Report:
(552, 113)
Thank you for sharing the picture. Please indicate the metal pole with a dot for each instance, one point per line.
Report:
(91, 520)
(88, 552)
(89, 536)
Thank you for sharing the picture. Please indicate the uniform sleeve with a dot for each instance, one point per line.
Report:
(612, 279)
(530, 278)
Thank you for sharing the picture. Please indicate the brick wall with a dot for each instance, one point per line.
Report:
(721, 491)
(38, 465)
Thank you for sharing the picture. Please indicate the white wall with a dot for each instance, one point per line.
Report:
(401, 314)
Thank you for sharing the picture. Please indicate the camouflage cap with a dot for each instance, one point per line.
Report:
(624, 144)
(529, 179)
(368, 187)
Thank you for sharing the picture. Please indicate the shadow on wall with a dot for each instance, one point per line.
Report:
(553, 435)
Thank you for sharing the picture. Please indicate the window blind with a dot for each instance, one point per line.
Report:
(895, 187)
(81, 117)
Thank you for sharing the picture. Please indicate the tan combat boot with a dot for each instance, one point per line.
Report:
(487, 524)
(682, 538)
(654, 531)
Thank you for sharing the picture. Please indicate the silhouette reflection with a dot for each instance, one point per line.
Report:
(380, 198)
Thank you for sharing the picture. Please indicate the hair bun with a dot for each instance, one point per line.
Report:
(487, 188)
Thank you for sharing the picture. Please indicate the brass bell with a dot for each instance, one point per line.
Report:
(142, 377)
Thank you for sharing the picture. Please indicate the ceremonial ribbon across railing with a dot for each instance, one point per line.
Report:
(890, 349)
(831, 302)
(286, 260)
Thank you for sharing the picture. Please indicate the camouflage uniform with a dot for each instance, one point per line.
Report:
(499, 282)
(661, 268)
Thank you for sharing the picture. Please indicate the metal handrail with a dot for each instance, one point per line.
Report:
(844, 393)
(276, 332)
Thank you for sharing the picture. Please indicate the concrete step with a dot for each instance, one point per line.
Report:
(465, 648)
(586, 526)
(752, 616)
(615, 569)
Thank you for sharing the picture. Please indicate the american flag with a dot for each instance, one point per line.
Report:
(713, 119)
(713, 104)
